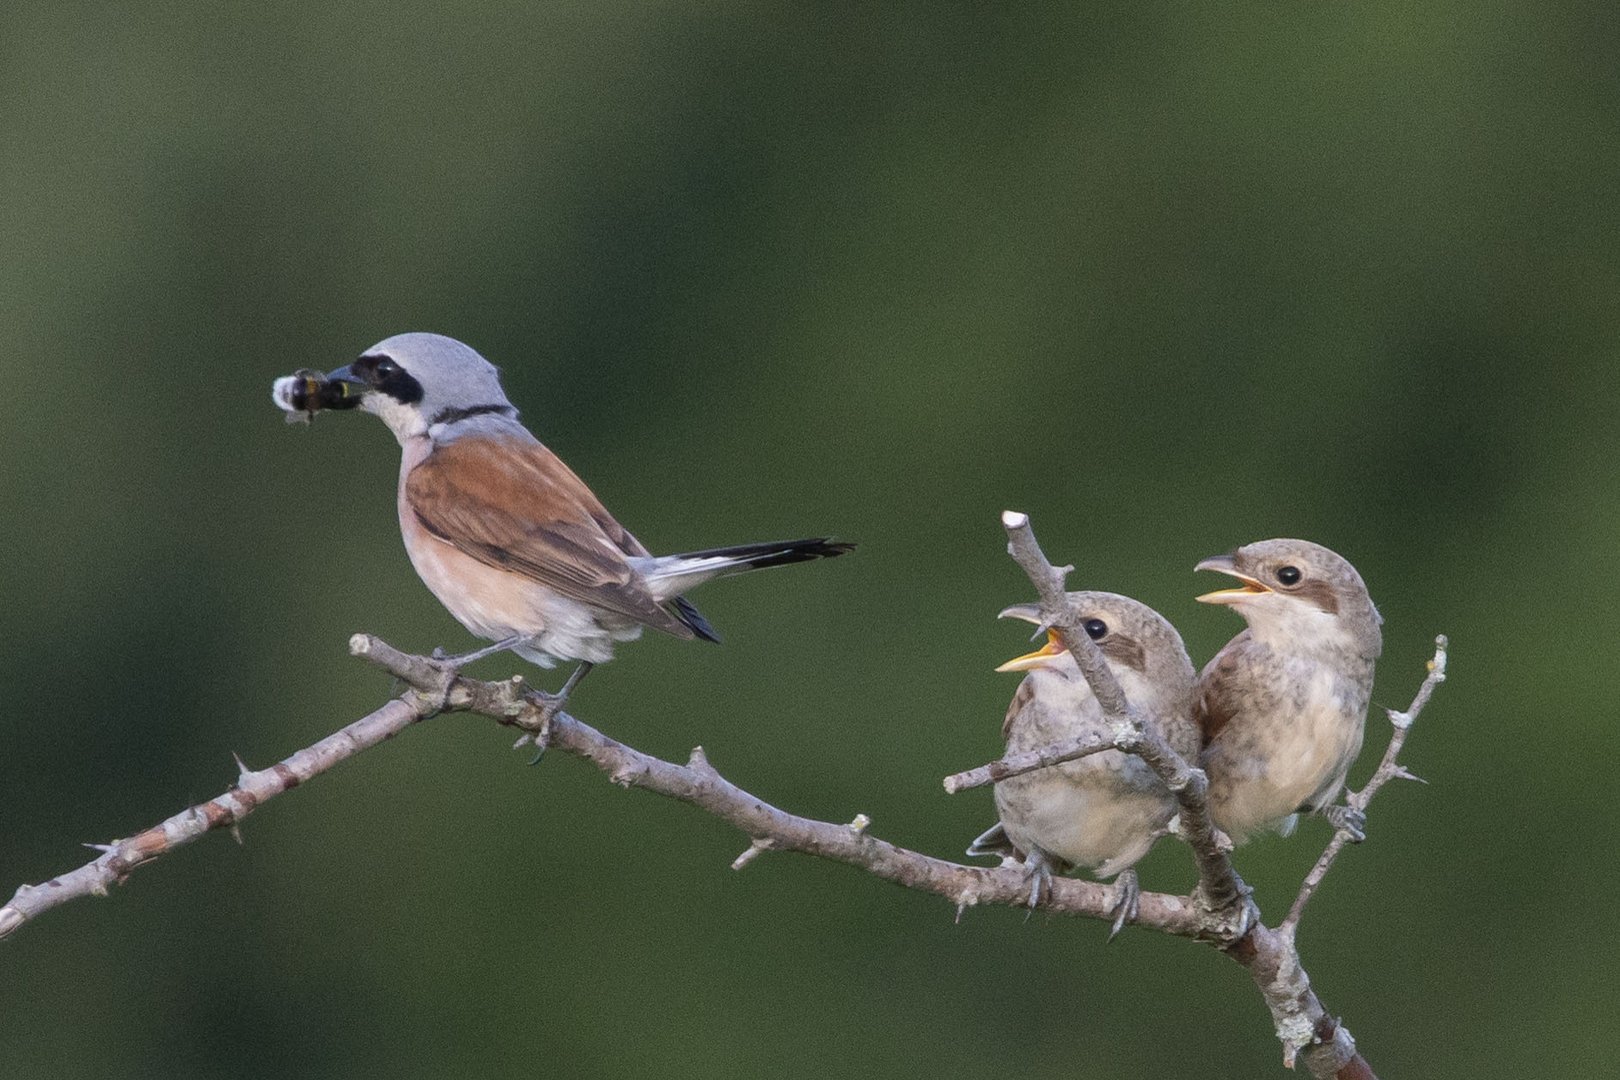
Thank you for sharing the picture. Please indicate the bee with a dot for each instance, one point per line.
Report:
(306, 392)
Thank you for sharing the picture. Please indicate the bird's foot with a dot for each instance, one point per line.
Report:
(439, 696)
(1038, 869)
(1348, 820)
(449, 667)
(1125, 909)
(551, 705)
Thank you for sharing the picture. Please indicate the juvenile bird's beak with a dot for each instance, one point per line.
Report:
(1027, 612)
(1046, 654)
(1225, 565)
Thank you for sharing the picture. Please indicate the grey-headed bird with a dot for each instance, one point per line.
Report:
(511, 542)
(1105, 811)
(1283, 706)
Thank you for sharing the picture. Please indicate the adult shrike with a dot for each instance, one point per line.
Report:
(500, 530)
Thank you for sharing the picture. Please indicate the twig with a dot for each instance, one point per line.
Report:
(1019, 764)
(696, 782)
(1389, 768)
(252, 790)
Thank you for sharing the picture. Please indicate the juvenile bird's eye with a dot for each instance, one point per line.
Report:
(1096, 629)
(1288, 575)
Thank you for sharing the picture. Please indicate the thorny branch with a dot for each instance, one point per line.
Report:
(1027, 762)
(696, 782)
(1302, 1023)
(1388, 769)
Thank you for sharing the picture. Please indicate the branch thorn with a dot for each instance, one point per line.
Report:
(757, 848)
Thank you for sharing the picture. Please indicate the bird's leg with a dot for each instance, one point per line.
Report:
(458, 662)
(551, 705)
(1125, 908)
(1347, 819)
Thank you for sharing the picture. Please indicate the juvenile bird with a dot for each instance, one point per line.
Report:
(500, 530)
(1283, 706)
(1105, 811)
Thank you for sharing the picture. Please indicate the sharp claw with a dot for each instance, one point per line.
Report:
(551, 705)
(1128, 904)
(1039, 870)
(542, 738)
(1353, 823)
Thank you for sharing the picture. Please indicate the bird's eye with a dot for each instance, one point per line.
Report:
(1288, 575)
(386, 368)
(1096, 629)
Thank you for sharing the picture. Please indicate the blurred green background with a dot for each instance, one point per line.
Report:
(1168, 277)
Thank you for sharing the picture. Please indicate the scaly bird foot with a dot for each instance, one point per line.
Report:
(551, 705)
(1125, 908)
(1038, 868)
(449, 667)
(1347, 820)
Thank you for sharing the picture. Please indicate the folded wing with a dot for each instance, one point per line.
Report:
(514, 505)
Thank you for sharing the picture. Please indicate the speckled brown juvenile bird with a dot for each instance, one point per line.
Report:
(1282, 708)
(1101, 812)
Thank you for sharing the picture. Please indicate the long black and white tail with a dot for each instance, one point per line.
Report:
(670, 575)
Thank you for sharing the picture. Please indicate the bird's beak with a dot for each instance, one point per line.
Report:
(1225, 565)
(1046, 654)
(1027, 612)
(348, 380)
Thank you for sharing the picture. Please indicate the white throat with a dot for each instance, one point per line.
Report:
(1293, 626)
(405, 421)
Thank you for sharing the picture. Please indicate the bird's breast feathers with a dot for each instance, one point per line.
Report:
(1289, 729)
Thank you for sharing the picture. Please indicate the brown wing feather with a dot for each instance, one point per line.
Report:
(1020, 701)
(1215, 705)
(516, 505)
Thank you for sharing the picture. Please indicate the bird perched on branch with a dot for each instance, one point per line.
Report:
(1283, 706)
(1101, 812)
(500, 530)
